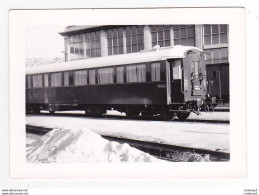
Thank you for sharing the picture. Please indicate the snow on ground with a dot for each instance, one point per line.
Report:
(186, 134)
(30, 138)
(79, 145)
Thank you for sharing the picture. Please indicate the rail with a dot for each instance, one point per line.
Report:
(159, 150)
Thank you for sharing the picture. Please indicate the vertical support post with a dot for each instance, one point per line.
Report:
(124, 40)
(172, 35)
(219, 82)
(198, 37)
(168, 83)
(67, 49)
(84, 45)
(147, 38)
(104, 43)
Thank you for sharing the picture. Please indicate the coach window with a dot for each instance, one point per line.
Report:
(105, 75)
(56, 79)
(92, 77)
(80, 77)
(177, 70)
(66, 78)
(29, 84)
(155, 72)
(120, 74)
(136, 73)
(37, 80)
(46, 80)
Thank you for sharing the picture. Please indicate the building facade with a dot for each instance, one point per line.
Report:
(82, 42)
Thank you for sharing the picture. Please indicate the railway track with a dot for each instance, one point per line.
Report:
(208, 121)
(159, 150)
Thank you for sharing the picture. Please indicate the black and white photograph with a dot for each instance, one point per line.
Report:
(128, 95)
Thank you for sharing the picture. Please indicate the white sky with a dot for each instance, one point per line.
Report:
(44, 41)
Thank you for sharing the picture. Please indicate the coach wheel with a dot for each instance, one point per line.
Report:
(51, 112)
(94, 111)
(147, 114)
(132, 112)
(167, 116)
(183, 115)
(36, 110)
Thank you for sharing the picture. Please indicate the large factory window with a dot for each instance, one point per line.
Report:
(105, 75)
(184, 35)
(85, 44)
(37, 80)
(160, 35)
(76, 43)
(115, 41)
(80, 77)
(134, 38)
(215, 34)
(155, 72)
(92, 79)
(216, 55)
(136, 73)
(120, 74)
(93, 44)
(56, 79)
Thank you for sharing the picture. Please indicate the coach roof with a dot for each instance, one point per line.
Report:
(114, 60)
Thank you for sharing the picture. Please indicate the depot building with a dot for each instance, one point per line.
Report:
(83, 42)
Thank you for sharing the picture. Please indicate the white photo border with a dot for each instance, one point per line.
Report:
(20, 19)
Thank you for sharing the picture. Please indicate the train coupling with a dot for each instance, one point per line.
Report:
(210, 103)
(197, 108)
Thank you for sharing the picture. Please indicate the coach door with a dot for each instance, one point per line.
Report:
(176, 69)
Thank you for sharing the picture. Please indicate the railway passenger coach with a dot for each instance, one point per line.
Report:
(164, 82)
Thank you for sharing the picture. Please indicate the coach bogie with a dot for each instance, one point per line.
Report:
(94, 110)
(183, 115)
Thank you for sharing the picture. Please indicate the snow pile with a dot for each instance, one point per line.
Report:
(77, 146)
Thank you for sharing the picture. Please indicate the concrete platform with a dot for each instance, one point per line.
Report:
(214, 137)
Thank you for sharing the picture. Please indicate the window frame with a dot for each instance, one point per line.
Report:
(156, 30)
(33, 80)
(103, 79)
(156, 68)
(93, 44)
(112, 38)
(210, 34)
(134, 36)
(29, 82)
(75, 83)
(77, 44)
(51, 85)
(137, 69)
(187, 37)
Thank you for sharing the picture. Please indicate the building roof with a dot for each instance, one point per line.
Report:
(75, 30)
(114, 60)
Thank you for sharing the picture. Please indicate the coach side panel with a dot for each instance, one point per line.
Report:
(131, 93)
